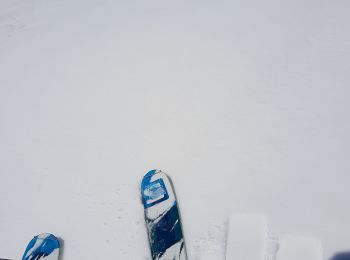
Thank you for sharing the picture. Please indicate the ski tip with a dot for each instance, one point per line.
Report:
(41, 245)
(147, 178)
(153, 172)
(154, 190)
(150, 173)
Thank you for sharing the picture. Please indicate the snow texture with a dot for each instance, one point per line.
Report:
(247, 235)
(245, 104)
(249, 238)
(296, 247)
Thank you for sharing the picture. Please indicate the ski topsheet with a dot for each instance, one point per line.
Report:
(44, 246)
(162, 217)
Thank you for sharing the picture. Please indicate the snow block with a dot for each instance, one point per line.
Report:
(246, 238)
(298, 247)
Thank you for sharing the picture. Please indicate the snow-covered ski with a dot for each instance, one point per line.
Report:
(162, 217)
(44, 246)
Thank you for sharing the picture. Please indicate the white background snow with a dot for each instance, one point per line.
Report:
(245, 104)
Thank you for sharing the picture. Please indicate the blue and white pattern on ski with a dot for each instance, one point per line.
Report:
(162, 217)
(44, 246)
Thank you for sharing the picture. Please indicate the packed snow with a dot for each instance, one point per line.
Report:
(245, 104)
(249, 238)
(296, 247)
(246, 239)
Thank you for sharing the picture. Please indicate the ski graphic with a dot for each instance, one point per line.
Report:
(42, 247)
(162, 217)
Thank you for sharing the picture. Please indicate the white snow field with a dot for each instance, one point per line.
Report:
(249, 238)
(295, 247)
(245, 104)
(246, 238)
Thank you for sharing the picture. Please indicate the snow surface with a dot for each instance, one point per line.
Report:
(245, 104)
(295, 247)
(247, 236)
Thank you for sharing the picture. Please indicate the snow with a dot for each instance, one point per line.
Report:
(247, 235)
(245, 104)
(293, 247)
(249, 238)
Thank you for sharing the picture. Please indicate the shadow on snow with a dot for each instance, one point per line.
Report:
(341, 256)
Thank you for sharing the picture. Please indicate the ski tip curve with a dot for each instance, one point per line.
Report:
(147, 177)
(41, 246)
(153, 190)
(151, 173)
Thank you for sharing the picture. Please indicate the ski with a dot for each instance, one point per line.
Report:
(162, 217)
(44, 246)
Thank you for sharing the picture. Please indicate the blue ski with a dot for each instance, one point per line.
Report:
(42, 247)
(162, 217)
